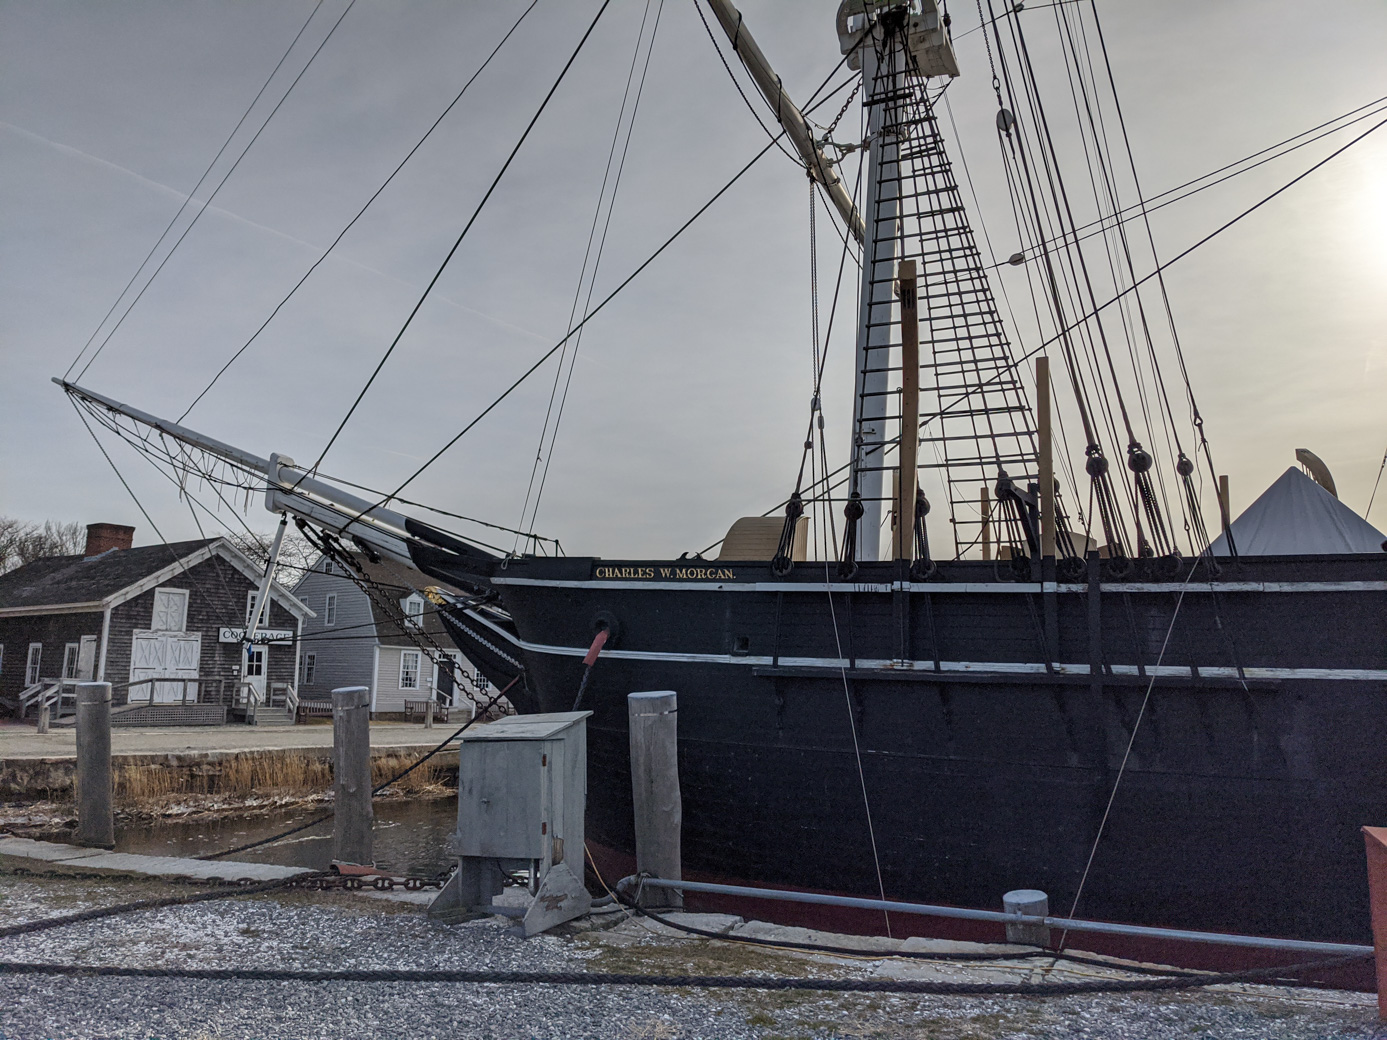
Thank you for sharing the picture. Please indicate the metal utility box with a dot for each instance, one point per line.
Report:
(522, 794)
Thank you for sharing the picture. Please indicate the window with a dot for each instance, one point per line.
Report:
(330, 609)
(170, 610)
(310, 667)
(31, 670)
(327, 566)
(251, 597)
(70, 660)
(414, 609)
(409, 670)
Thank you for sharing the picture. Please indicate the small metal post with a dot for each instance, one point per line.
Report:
(351, 776)
(43, 715)
(96, 822)
(655, 791)
(1033, 903)
(428, 714)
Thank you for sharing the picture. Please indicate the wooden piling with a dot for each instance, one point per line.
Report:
(96, 822)
(655, 791)
(351, 780)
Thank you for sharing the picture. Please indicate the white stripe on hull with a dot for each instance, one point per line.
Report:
(945, 667)
(952, 587)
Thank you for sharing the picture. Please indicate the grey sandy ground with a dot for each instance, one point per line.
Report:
(320, 930)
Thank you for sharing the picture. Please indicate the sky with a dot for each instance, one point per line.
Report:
(690, 392)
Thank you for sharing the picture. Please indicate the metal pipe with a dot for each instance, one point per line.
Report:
(966, 914)
(262, 594)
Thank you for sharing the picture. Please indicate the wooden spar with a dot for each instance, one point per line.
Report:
(787, 114)
(1224, 511)
(910, 413)
(1047, 457)
(985, 508)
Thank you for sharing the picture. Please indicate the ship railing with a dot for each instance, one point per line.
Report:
(633, 885)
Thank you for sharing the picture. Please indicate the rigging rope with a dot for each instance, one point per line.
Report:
(169, 227)
(466, 228)
(206, 205)
(596, 263)
(351, 223)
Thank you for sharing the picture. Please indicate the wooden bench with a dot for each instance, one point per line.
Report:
(314, 708)
(420, 708)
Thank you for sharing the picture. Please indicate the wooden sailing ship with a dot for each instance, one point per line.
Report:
(1074, 694)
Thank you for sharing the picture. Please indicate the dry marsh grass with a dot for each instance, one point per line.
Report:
(270, 775)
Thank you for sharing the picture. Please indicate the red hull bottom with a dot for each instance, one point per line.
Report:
(612, 865)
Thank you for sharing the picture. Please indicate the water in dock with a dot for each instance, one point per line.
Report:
(411, 836)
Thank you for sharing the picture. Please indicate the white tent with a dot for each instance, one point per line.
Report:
(1295, 517)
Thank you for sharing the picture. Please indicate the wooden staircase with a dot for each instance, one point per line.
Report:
(267, 715)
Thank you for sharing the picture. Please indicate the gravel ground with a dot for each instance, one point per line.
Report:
(320, 930)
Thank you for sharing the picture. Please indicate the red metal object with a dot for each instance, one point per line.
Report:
(598, 642)
(1375, 838)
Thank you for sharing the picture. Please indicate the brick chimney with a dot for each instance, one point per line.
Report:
(101, 537)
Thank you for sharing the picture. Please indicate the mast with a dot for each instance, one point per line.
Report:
(973, 425)
(881, 76)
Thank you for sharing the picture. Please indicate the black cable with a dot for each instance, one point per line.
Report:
(231, 892)
(468, 227)
(596, 262)
(737, 982)
(206, 205)
(1134, 210)
(374, 195)
(918, 955)
(557, 346)
(608, 299)
(1165, 265)
(164, 234)
(374, 791)
(745, 100)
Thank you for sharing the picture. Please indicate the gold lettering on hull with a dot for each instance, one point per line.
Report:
(665, 573)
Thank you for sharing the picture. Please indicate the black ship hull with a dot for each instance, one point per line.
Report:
(987, 720)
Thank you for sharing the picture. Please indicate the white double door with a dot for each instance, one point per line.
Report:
(165, 655)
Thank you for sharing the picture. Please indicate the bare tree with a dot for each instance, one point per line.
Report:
(22, 543)
(11, 535)
(296, 555)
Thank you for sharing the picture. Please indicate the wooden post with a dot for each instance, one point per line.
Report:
(351, 778)
(44, 715)
(1375, 838)
(428, 714)
(1225, 512)
(96, 822)
(1045, 437)
(985, 505)
(910, 413)
(655, 797)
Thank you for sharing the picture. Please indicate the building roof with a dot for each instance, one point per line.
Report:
(60, 583)
(61, 580)
(1297, 517)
